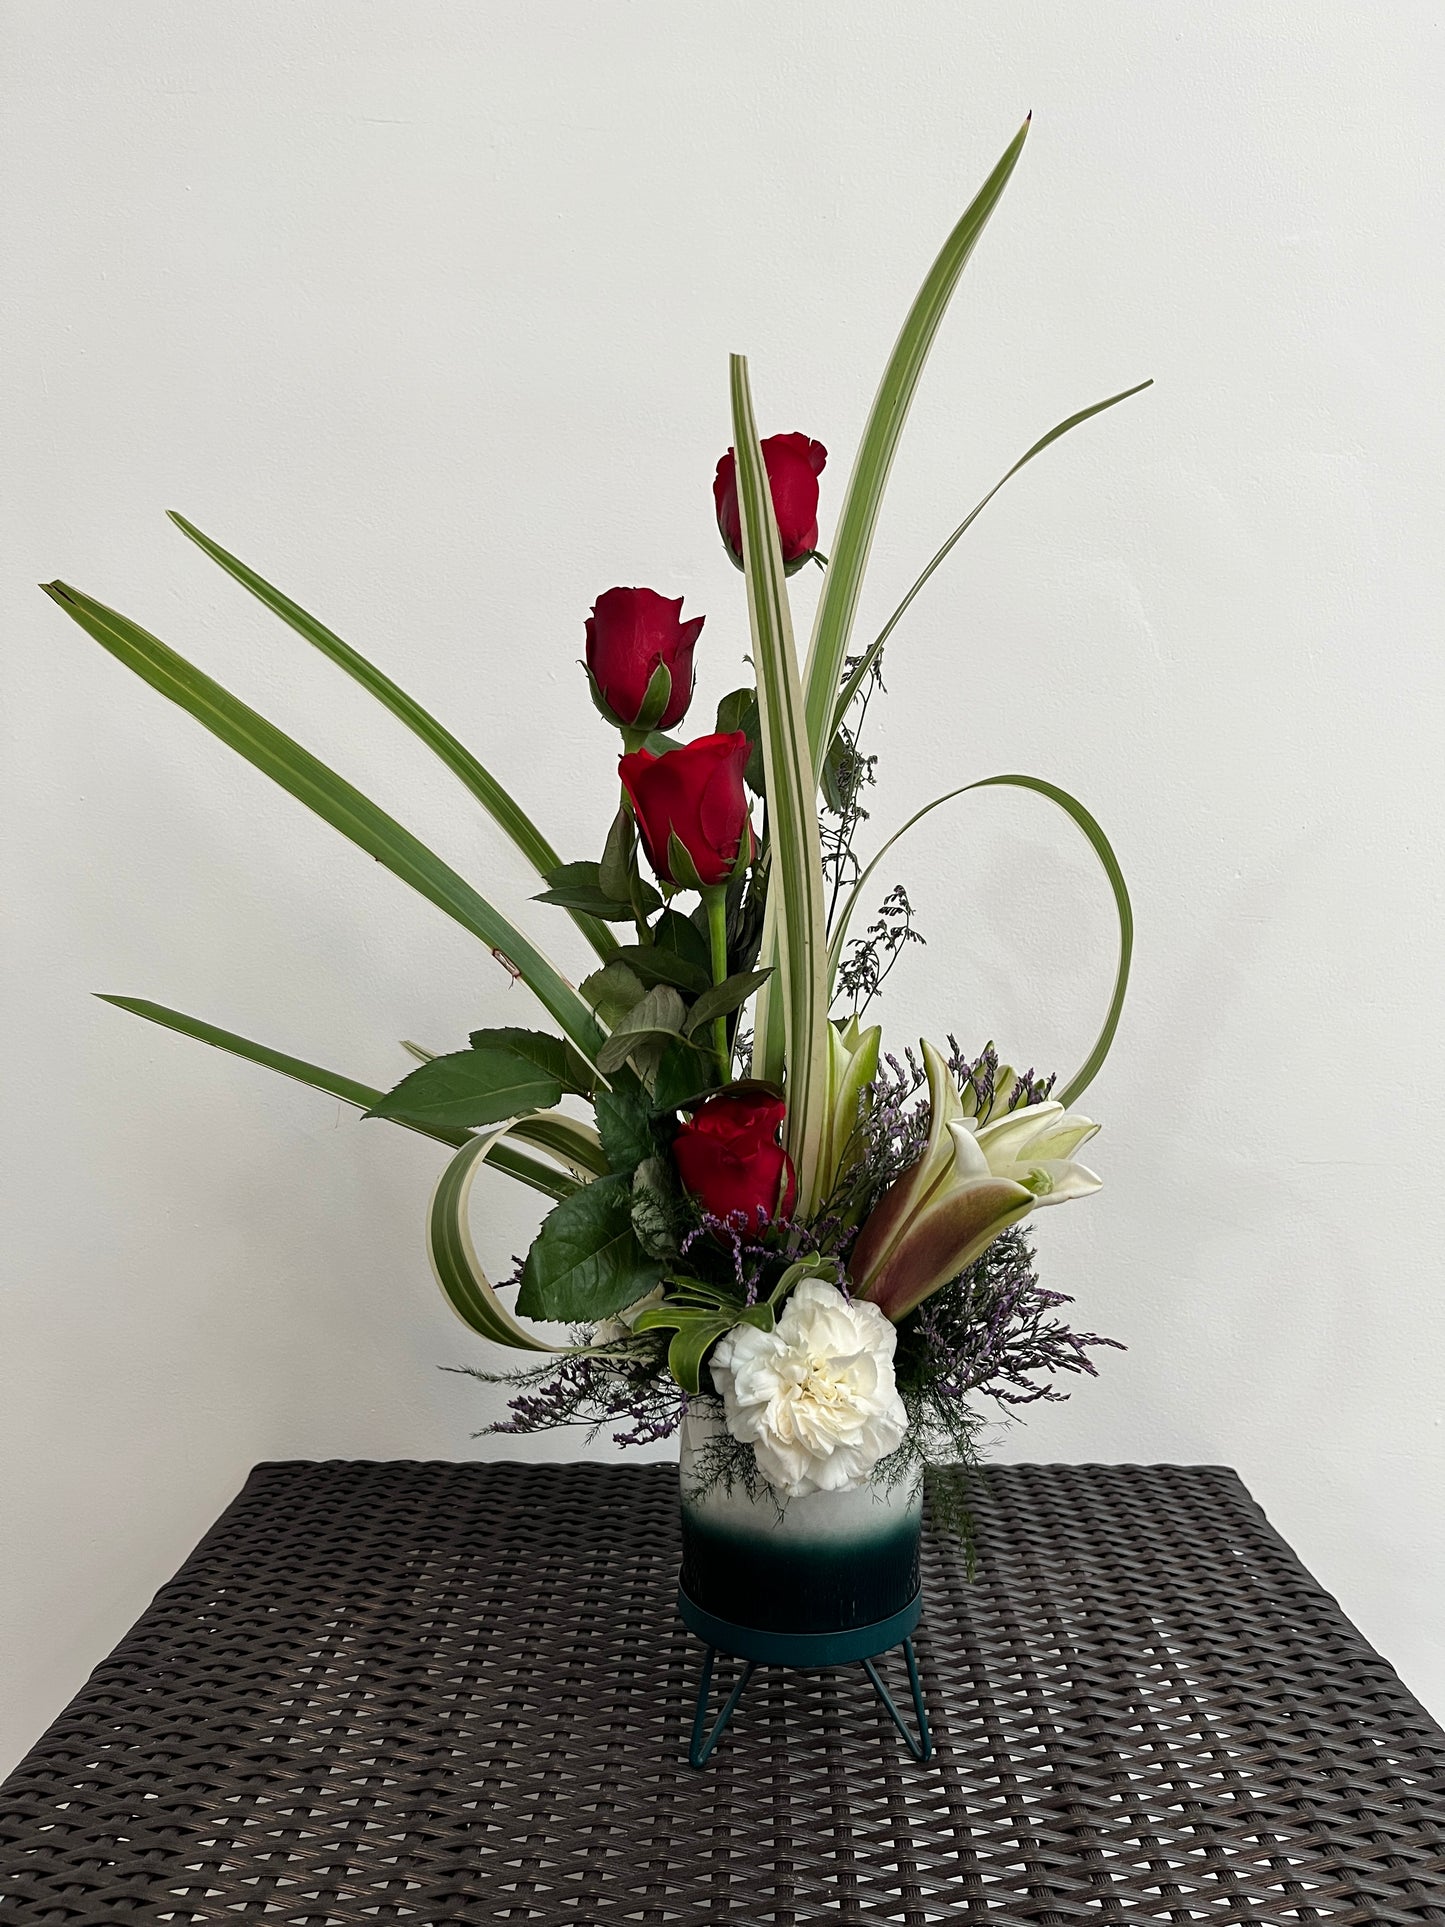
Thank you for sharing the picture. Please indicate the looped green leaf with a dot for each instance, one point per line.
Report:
(464, 1283)
(1098, 842)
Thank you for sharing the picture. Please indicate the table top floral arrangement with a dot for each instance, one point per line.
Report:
(752, 1199)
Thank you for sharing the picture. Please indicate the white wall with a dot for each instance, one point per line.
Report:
(423, 309)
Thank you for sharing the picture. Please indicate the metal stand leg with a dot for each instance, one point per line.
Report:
(704, 1740)
(922, 1747)
(700, 1750)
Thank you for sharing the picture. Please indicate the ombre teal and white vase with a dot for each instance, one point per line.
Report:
(825, 1566)
(813, 1561)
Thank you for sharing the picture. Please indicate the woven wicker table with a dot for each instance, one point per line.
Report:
(459, 1694)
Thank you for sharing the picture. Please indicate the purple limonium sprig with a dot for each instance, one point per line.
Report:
(993, 1334)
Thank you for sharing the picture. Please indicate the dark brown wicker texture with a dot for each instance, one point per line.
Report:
(458, 1694)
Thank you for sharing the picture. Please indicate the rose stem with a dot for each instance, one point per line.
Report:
(716, 900)
(634, 875)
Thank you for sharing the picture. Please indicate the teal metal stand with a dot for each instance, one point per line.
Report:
(807, 1651)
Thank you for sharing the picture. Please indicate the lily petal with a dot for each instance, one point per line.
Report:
(909, 1193)
(1054, 1180)
(1004, 1139)
(943, 1239)
(969, 1161)
(1065, 1138)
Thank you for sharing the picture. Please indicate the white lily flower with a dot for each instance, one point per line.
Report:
(971, 1183)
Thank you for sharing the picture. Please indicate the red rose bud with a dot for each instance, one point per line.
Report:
(730, 1159)
(630, 632)
(794, 465)
(695, 794)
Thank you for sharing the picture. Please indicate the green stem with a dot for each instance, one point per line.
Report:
(716, 900)
(634, 885)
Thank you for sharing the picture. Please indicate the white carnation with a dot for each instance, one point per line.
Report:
(815, 1397)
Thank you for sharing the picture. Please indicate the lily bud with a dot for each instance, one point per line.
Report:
(852, 1067)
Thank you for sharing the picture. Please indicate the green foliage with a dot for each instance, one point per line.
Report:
(613, 991)
(586, 1262)
(578, 886)
(504, 1073)
(652, 964)
(656, 1017)
(685, 939)
(468, 1088)
(738, 711)
(624, 1123)
(685, 1075)
(618, 869)
(333, 799)
(504, 811)
(660, 1216)
(724, 998)
(550, 1054)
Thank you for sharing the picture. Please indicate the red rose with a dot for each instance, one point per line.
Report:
(794, 465)
(696, 794)
(730, 1159)
(631, 631)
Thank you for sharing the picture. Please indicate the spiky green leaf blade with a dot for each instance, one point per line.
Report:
(516, 1164)
(332, 798)
(1103, 850)
(848, 557)
(795, 892)
(855, 682)
(505, 812)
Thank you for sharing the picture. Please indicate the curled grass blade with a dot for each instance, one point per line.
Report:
(464, 1283)
(1098, 842)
